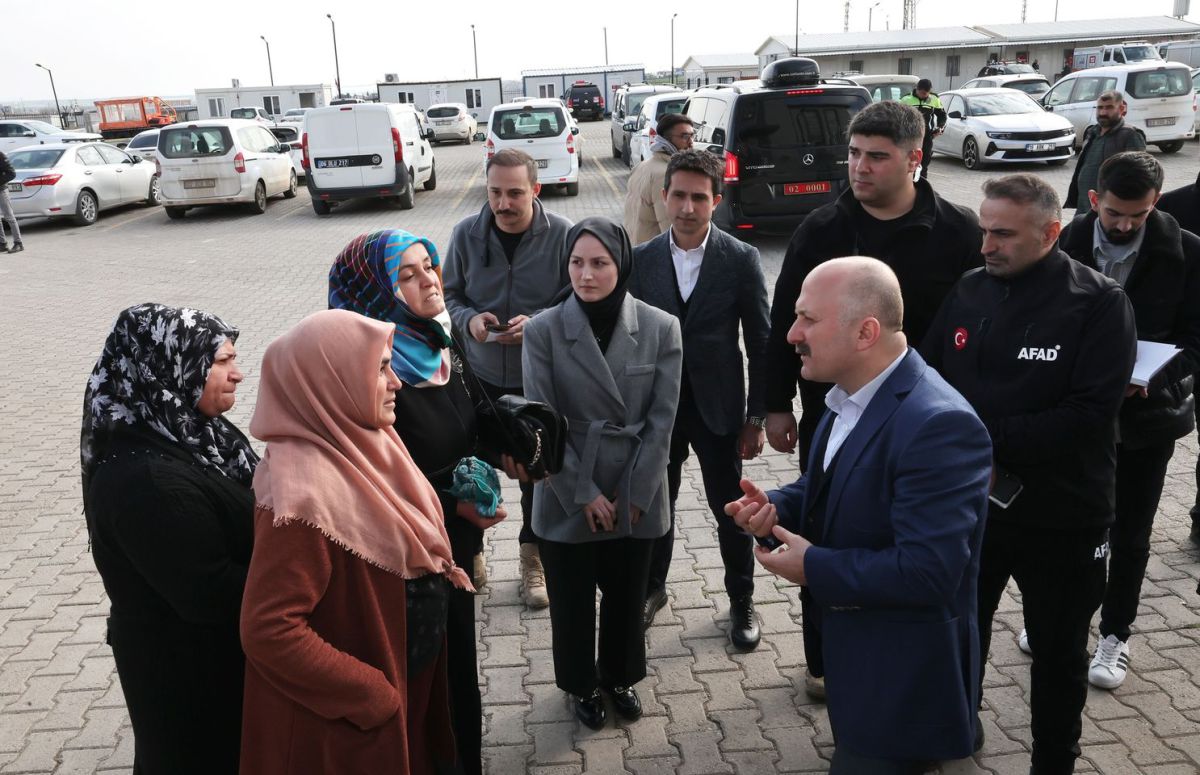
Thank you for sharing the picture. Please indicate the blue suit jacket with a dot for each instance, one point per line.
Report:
(895, 575)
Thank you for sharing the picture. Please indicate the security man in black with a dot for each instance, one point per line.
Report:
(1126, 238)
(1043, 348)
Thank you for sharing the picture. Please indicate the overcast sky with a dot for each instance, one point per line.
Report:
(170, 48)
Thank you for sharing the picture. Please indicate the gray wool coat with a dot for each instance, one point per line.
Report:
(620, 409)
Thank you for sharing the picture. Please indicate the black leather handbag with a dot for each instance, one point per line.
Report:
(533, 433)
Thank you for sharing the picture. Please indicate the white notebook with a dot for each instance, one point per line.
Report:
(1151, 357)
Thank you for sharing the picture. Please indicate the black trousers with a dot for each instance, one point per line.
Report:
(1140, 476)
(618, 568)
(466, 709)
(1195, 513)
(526, 535)
(1061, 576)
(721, 470)
(926, 153)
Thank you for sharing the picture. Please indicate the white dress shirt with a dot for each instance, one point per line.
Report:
(849, 409)
(687, 263)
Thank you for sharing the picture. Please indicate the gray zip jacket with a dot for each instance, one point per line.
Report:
(477, 277)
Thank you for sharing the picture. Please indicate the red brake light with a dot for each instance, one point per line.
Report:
(239, 162)
(42, 180)
(731, 168)
(397, 148)
(490, 147)
(653, 133)
(601, 100)
(794, 92)
(304, 147)
(570, 142)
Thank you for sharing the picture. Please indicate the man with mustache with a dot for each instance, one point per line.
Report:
(1108, 136)
(502, 266)
(1158, 264)
(927, 241)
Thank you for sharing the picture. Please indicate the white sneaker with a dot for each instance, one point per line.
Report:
(1023, 642)
(1110, 664)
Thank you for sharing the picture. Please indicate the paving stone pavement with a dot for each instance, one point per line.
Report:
(708, 709)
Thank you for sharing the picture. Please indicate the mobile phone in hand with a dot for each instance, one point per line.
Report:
(497, 328)
(1006, 489)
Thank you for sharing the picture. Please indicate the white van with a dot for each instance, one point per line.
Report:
(374, 150)
(221, 161)
(1159, 97)
(541, 128)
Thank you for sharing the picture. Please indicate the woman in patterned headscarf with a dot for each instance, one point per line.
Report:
(166, 491)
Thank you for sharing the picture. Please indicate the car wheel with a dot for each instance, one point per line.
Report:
(153, 195)
(405, 200)
(175, 213)
(320, 207)
(625, 155)
(86, 208)
(431, 184)
(970, 154)
(259, 205)
(573, 189)
(616, 152)
(1172, 147)
(291, 189)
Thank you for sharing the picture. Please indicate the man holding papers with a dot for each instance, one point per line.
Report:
(1042, 347)
(1158, 265)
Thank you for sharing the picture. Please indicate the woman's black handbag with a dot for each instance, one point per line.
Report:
(533, 433)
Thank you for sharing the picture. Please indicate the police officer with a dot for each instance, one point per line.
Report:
(932, 116)
(1043, 348)
(1158, 264)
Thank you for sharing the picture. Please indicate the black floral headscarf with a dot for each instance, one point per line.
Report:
(150, 376)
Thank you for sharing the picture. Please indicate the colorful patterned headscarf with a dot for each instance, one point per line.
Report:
(364, 279)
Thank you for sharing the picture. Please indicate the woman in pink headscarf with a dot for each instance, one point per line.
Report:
(343, 620)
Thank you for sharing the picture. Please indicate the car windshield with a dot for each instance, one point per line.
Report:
(243, 113)
(41, 126)
(1016, 68)
(144, 141)
(296, 112)
(442, 112)
(285, 133)
(776, 121)
(889, 91)
(528, 123)
(1159, 83)
(189, 141)
(1034, 86)
(669, 106)
(35, 159)
(1140, 53)
(1001, 105)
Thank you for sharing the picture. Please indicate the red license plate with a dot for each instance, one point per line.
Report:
(823, 187)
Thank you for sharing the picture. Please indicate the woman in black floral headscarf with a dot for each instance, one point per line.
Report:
(166, 491)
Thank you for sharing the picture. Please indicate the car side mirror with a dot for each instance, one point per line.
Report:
(481, 135)
(719, 150)
(718, 137)
(629, 126)
(29, 134)
(574, 130)
(134, 160)
(955, 114)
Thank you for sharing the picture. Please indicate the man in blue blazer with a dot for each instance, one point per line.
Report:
(884, 528)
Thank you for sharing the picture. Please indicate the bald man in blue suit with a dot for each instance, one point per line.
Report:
(884, 528)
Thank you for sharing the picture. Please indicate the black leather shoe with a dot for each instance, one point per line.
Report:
(1194, 535)
(626, 702)
(655, 601)
(590, 710)
(743, 623)
(978, 745)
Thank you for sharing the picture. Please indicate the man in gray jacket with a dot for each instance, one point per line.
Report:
(503, 266)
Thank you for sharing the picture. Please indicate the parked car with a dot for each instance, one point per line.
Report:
(222, 161)
(1001, 125)
(1159, 96)
(1115, 54)
(290, 135)
(626, 105)
(886, 87)
(584, 99)
(144, 145)
(1196, 97)
(452, 121)
(645, 126)
(78, 180)
(783, 140)
(366, 150)
(253, 114)
(543, 129)
(1005, 68)
(294, 116)
(18, 133)
(1035, 85)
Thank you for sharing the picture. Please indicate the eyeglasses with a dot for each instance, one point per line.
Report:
(686, 135)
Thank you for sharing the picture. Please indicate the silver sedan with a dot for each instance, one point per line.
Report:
(1002, 125)
(78, 180)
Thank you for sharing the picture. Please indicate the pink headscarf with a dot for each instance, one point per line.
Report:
(327, 465)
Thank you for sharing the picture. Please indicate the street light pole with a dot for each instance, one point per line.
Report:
(270, 69)
(871, 14)
(475, 50)
(606, 46)
(337, 68)
(673, 48)
(61, 122)
(796, 42)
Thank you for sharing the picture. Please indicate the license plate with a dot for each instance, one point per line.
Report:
(337, 162)
(14, 187)
(444, 123)
(791, 189)
(1035, 147)
(1168, 121)
(543, 163)
(200, 183)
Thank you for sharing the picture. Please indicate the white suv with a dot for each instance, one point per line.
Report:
(542, 129)
(452, 121)
(221, 161)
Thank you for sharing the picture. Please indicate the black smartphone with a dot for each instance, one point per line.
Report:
(497, 328)
(1006, 489)
(770, 543)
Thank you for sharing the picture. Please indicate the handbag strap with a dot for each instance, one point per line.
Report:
(483, 391)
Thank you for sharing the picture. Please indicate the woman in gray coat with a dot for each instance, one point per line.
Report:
(611, 365)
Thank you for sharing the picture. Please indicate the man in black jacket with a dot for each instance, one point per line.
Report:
(927, 241)
(1108, 136)
(1043, 348)
(1158, 265)
(7, 174)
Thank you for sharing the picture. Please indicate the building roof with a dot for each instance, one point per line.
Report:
(436, 83)
(881, 40)
(581, 70)
(705, 61)
(1090, 29)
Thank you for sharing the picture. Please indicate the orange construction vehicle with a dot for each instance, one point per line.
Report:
(127, 116)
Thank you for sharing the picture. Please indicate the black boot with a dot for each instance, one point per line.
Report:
(626, 702)
(743, 623)
(590, 710)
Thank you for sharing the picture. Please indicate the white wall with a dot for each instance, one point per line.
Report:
(426, 94)
(316, 96)
(698, 75)
(608, 82)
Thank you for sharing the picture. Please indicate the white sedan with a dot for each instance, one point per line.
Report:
(18, 133)
(78, 180)
(985, 126)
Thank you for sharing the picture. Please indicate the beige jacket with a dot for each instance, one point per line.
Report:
(645, 212)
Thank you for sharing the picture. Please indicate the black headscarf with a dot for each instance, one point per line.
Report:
(152, 372)
(602, 315)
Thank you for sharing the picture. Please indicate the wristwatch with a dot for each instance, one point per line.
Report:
(758, 422)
